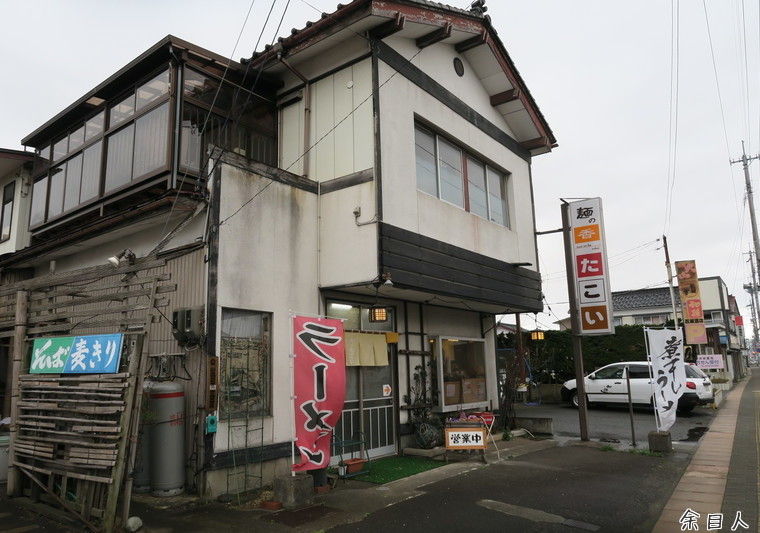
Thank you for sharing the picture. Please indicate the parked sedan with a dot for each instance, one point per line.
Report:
(609, 385)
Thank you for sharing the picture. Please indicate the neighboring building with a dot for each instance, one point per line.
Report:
(15, 167)
(653, 307)
(382, 160)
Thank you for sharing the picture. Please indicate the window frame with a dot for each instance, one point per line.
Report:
(617, 366)
(12, 203)
(441, 406)
(467, 154)
(103, 136)
(225, 116)
(267, 411)
(636, 368)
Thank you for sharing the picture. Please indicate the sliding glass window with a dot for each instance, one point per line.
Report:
(448, 172)
(9, 193)
(39, 201)
(73, 183)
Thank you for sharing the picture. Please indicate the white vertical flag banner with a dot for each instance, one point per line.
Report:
(668, 372)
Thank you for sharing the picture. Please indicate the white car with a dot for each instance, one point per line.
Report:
(608, 385)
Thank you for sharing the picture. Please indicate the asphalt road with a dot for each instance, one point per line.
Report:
(612, 422)
(572, 488)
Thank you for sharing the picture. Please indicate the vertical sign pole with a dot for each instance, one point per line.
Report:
(292, 394)
(576, 326)
(630, 403)
(520, 357)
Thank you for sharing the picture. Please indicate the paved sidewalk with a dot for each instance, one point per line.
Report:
(703, 484)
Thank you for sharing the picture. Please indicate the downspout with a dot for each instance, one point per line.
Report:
(306, 113)
(177, 118)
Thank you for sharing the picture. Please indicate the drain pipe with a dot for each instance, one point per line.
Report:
(306, 113)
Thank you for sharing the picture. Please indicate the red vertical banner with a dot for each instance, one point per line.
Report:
(319, 385)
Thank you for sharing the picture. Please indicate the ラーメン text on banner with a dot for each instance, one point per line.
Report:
(319, 379)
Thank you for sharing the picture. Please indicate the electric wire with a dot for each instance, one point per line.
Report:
(748, 134)
(223, 150)
(324, 136)
(722, 107)
(213, 101)
(673, 111)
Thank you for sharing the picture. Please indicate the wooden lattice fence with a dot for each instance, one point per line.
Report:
(74, 437)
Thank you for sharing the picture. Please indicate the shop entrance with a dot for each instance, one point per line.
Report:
(375, 409)
(368, 411)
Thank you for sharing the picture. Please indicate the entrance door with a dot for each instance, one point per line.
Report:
(608, 385)
(376, 410)
(368, 411)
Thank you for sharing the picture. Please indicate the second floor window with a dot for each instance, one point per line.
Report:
(132, 135)
(448, 172)
(9, 191)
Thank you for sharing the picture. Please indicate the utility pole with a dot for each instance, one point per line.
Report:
(745, 161)
(669, 268)
(752, 289)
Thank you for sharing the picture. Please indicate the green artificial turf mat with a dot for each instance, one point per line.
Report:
(390, 469)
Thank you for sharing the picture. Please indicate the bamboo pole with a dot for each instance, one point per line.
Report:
(112, 499)
(13, 487)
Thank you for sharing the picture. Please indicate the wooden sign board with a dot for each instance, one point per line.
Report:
(465, 438)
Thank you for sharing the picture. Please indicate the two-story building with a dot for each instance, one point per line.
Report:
(374, 165)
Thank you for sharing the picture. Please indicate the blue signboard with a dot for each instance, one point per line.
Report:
(83, 354)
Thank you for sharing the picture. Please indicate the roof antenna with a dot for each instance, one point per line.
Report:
(478, 7)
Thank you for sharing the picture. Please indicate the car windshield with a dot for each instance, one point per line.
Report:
(694, 372)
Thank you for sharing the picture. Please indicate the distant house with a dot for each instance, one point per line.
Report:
(653, 307)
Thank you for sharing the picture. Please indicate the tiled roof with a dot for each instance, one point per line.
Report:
(642, 298)
(427, 3)
(440, 5)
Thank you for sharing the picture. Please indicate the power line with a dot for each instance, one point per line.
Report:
(746, 71)
(675, 38)
(255, 81)
(213, 102)
(722, 109)
(327, 133)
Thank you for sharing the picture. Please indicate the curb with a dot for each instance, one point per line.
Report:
(703, 483)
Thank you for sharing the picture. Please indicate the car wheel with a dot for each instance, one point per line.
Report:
(686, 409)
(574, 399)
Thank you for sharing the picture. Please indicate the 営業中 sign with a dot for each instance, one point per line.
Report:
(82, 354)
(590, 267)
(465, 439)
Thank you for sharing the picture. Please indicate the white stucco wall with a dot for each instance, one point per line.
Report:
(437, 62)
(406, 207)
(267, 262)
(140, 237)
(348, 253)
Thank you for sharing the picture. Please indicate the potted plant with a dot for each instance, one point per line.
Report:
(428, 431)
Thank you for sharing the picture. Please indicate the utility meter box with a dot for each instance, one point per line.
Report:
(189, 321)
(211, 424)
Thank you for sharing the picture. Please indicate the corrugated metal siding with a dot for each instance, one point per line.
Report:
(188, 273)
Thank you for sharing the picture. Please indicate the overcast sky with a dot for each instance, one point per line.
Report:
(599, 70)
